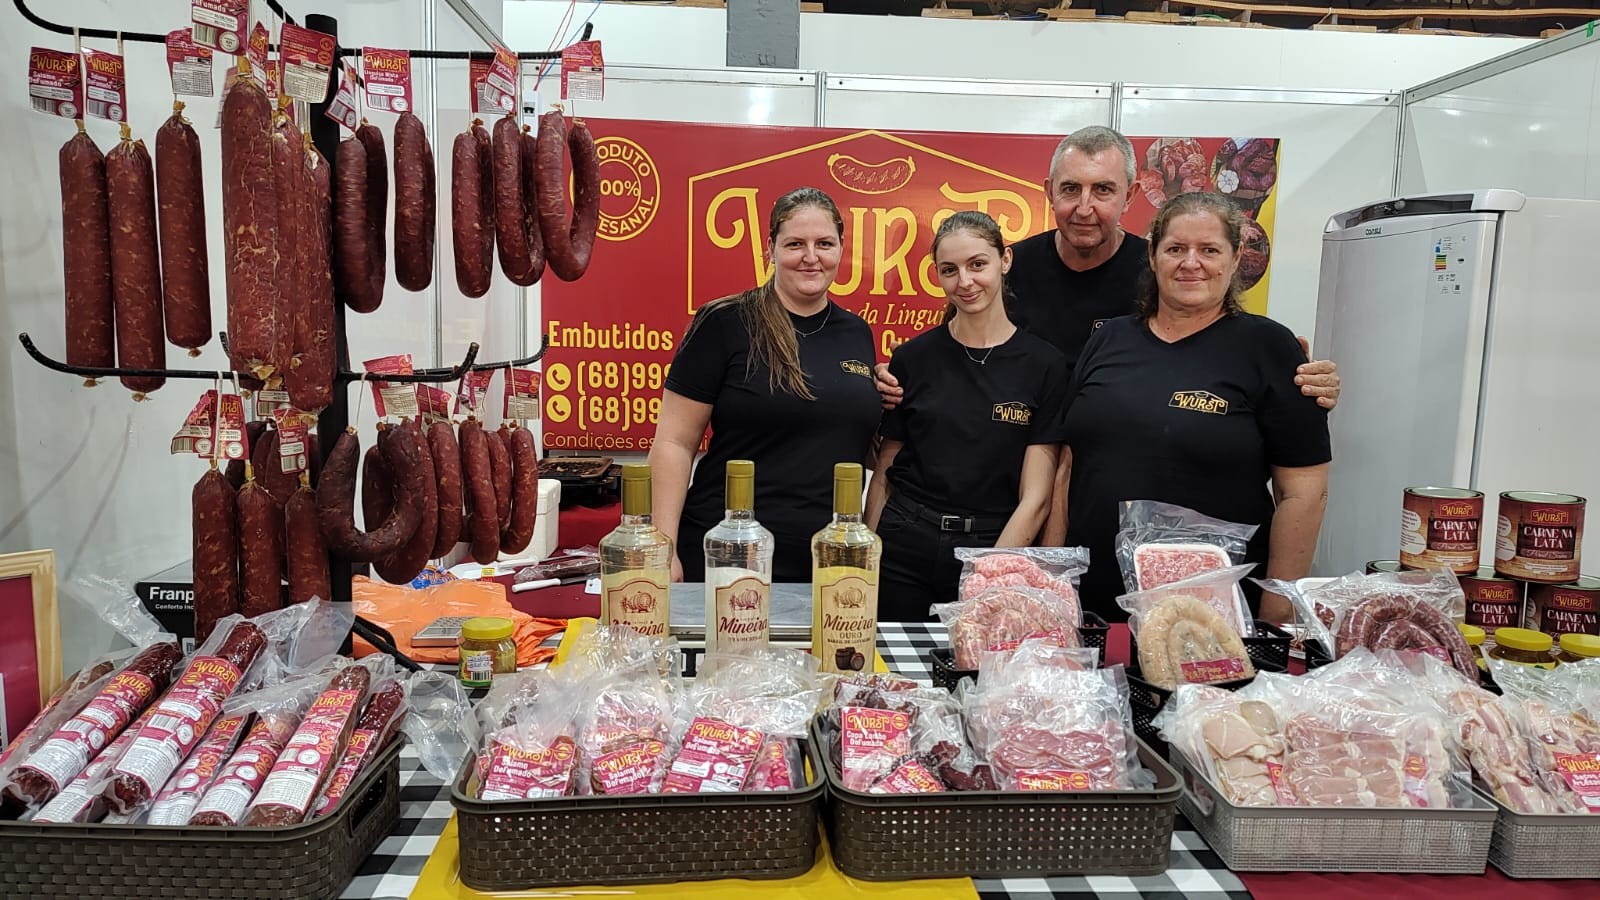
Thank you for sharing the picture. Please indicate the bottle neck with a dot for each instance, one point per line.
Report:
(841, 518)
(739, 515)
(638, 521)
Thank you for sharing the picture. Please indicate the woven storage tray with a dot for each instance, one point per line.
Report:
(994, 834)
(1557, 846)
(637, 839)
(942, 660)
(310, 861)
(1336, 839)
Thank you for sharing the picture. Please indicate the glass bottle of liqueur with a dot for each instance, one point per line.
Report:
(845, 556)
(738, 567)
(636, 562)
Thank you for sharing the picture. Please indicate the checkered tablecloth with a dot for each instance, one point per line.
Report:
(1195, 874)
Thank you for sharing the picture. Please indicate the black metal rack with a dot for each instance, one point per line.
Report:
(336, 417)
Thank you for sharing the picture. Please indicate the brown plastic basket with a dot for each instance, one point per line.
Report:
(310, 861)
(1338, 839)
(638, 839)
(942, 660)
(997, 834)
(1551, 846)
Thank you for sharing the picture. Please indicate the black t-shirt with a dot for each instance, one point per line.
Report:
(967, 426)
(794, 442)
(1199, 423)
(1065, 307)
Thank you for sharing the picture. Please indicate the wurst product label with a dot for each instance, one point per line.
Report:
(66, 753)
(1492, 603)
(241, 779)
(629, 770)
(307, 60)
(477, 75)
(433, 403)
(295, 776)
(1441, 527)
(716, 757)
(1582, 774)
(392, 399)
(106, 85)
(636, 599)
(1052, 638)
(257, 52)
(1538, 536)
(522, 394)
(583, 72)
(387, 75)
(1280, 785)
(220, 24)
(175, 805)
(342, 108)
(1212, 671)
(912, 777)
(500, 82)
(294, 442)
(511, 773)
(214, 429)
(55, 83)
(1564, 609)
(1054, 780)
(179, 721)
(362, 747)
(474, 385)
(189, 65)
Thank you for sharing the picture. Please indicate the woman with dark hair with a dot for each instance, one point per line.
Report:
(1192, 401)
(968, 456)
(783, 375)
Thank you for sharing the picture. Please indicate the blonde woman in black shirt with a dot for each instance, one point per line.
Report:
(968, 456)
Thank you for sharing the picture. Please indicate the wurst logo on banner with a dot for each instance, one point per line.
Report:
(689, 203)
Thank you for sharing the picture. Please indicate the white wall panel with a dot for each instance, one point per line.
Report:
(974, 105)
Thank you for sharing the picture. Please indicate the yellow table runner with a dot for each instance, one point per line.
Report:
(440, 881)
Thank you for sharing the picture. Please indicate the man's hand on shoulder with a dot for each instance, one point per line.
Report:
(1319, 378)
(889, 389)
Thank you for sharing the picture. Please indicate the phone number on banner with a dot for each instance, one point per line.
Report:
(612, 393)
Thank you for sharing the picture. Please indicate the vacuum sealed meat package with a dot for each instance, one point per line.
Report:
(1191, 631)
(1000, 618)
(1413, 611)
(1159, 543)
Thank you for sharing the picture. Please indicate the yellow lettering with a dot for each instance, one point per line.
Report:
(740, 232)
(858, 227)
(1011, 228)
(896, 260)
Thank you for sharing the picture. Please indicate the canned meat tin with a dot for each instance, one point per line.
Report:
(1565, 608)
(1538, 536)
(1492, 602)
(1383, 565)
(1441, 527)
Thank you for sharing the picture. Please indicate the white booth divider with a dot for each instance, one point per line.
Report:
(1527, 120)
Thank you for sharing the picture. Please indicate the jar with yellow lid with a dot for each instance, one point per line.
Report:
(1524, 647)
(1474, 637)
(487, 650)
(1578, 647)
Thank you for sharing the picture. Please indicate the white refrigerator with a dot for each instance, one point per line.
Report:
(1466, 328)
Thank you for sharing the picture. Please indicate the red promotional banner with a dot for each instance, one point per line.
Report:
(684, 219)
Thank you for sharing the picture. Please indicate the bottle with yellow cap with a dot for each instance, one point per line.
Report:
(1579, 647)
(1524, 647)
(738, 567)
(636, 562)
(845, 556)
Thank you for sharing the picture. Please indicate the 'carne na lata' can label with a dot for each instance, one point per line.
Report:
(1558, 609)
(1538, 536)
(1492, 602)
(1441, 527)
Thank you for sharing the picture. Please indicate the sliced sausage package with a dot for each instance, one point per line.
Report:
(311, 754)
(1190, 631)
(1237, 742)
(386, 707)
(63, 705)
(275, 712)
(176, 803)
(529, 749)
(1000, 618)
(1159, 543)
(1052, 569)
(1408, 611)
(1046, 719)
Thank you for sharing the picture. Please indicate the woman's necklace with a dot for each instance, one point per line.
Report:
(824, 324)
(980, 360)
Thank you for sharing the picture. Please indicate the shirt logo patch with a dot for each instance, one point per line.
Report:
(1199, 401)
(856, 367)
(1013, 413)
(1098, 323)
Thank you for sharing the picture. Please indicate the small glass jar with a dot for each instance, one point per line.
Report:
(1474, 637)
(1523, 647)
(487, 650)
(1578, 647)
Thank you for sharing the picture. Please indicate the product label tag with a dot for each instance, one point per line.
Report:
(107, 85)
(522, 394)
(911, 777)
(636, 601)
(258, 52)
(433, 403)
(55, 82)
(312, 751)
(241, 779)
(344, 106)
(64, 755)
(583, 72)
(1053, 780)
(269, 403)
(511, 773)
(307, 62)
(356, 753)
(715, 757)
(477, 79)
(1212, 671)
(630, 770)
(742, 611)
(392, 399)
(474, 386)
(220, 24)
(179, 721)
(845, 630)
(870, 741)
(189, 65)
(500, 84)
(1582, 774)
(1280, 785)
(387, 75)
(294, 441)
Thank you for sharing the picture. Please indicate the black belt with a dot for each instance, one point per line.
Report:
(946, 522)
